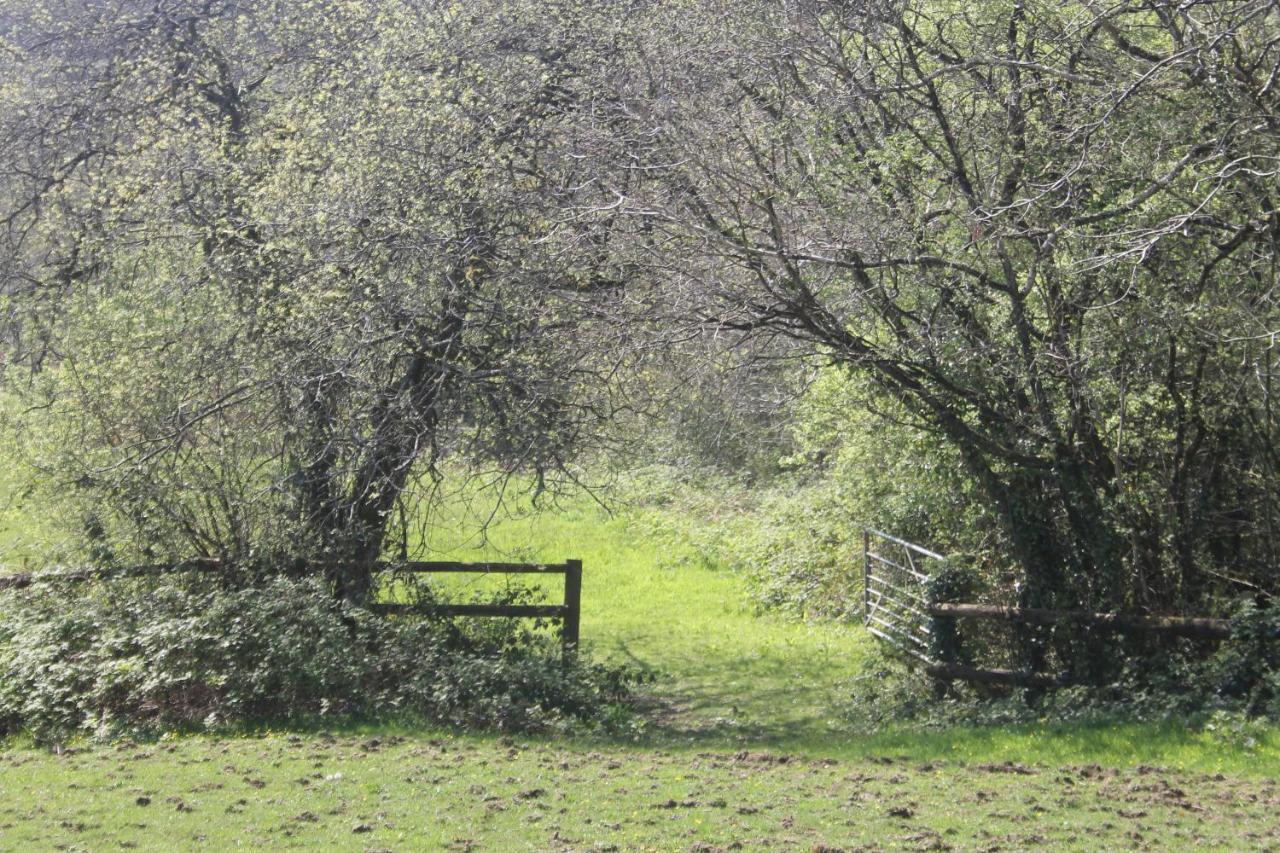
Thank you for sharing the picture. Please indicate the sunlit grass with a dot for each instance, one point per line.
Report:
(729, 677)
(732, 677)
(433, 791)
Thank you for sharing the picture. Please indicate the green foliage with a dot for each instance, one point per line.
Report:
(1033, 243)
(33, 511)
(797, 535)
(894, 692)
(144, 656)
(370, 273)
(892, 473)
(887, 692)
(1231, 696)
(955, 581)
(1247, 665)
(1237, 730)
(798, 551)
(793, 542)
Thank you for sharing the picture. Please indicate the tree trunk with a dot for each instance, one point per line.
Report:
(402, 425)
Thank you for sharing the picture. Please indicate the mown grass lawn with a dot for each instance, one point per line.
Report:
(743, 744)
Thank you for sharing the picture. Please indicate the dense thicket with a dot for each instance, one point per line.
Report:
(1045, 232)
(129, 657)
(269, 262)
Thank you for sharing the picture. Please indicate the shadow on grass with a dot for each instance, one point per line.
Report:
(1104, 742)
(1108, 743)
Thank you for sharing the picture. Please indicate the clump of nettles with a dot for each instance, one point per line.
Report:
(132, 656)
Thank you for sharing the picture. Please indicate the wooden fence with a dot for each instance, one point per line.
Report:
(568, 613)
(897, 610)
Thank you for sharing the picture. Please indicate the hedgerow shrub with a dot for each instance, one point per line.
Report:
(799, 554)
(857, 464)
(126, 656)
(1231, 691)
(1247, 665)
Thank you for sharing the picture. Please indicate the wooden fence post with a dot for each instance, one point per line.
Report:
(572, 605)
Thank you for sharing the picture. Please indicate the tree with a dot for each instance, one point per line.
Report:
(273, 263)
(1048, 231)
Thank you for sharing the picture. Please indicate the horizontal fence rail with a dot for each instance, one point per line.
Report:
(897, 610)
(495, 568)
(1183, 626)
(19, 580)
(569, 612)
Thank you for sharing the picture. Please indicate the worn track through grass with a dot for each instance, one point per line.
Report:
(725, 672)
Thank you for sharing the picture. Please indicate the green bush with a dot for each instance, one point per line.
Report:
(956, 580)
(798, 554)
(1247, 664)
(858, 463)
(1232, 693)
(126, 656)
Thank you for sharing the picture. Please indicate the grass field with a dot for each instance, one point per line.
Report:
(742, 744)
(724, 672)
(418, 792)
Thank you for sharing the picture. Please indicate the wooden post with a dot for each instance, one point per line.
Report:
(572, 605)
